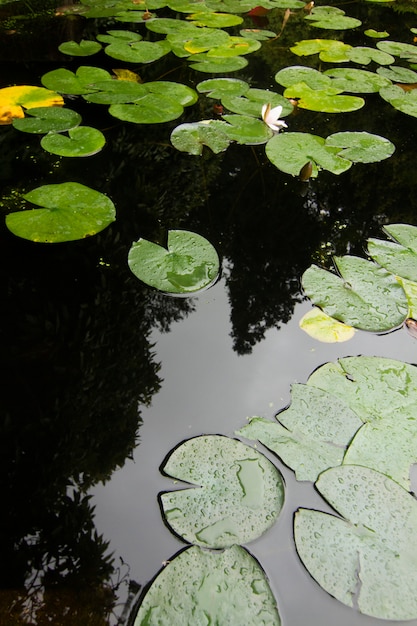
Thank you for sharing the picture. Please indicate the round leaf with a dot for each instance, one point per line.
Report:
(206, 587)
(331, 18)
(246, 130)
(215, 20)
(72, 211)
(189, 263)
(44, 119)
(300, 74)
(192, 137)
(80, 83)
(12, 99)
(153, 108)
(240, 491)
(329, 50)
(82, 141)
(213, 65)
(398, 74)
(220, 87)
(364, 295)
(325, 328)
(138, 52)
(356, 81)
(404, 101)
(84, 48)
(324, 100)
(361, 147)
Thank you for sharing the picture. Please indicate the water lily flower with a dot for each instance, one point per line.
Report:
(271, 117)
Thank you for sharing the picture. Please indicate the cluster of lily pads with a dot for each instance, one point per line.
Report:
(378, 294)
(351, 429)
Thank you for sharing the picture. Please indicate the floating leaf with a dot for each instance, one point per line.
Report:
(398, 49)
(309, 436)
(71, 211)
(376, 34)
(398, 258)
(327, 100)
(246, 130)
(404, 101)
(153, 108)
(184, 95)
(252, 101)
(329, 50)
(220, 87)
(364, 55)
(257, 33)
(235, 46)
(84, 48)
(398, 74)
(204, 39)
(192, 137)
(116, 92)
(331, 18)
(356, 81)
(300, 74)
(45, 119)
(214, 65)
(369, 558)
(188, 264)
(325, 328)
(289, 152)
(215, 20)
(240, 491)
(138, 52)
(410, 289)
(82, 82)
(207, 587)
(361, 147)
(82, 141)
(120, 36)
(14, 99)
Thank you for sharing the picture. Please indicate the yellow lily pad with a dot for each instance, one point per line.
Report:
(325, 328)
(14, 99)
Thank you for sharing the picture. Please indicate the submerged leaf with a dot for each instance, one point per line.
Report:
(239, 497)
(207, 587)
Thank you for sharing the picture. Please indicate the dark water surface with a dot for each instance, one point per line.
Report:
(101, 377)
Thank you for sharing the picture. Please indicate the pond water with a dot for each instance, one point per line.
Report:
(103, 376)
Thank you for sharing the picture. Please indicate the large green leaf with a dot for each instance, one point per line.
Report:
(239, 496)
(398, 258)
(290, 152)
(206, 587)
(153, 108)
(368, 556)
(214, 65)
(46, 119)
(220, 87)
(301, 74)
(404, 101)
(71, 211)
(363, 56)
(82, 141)
(356, 81)
(364, 295)
(116, 92)
(309, 436)
(84, 48)
(215, 20)
(188, 264)
(361, 147)
(192, 137)
(331, 18)
(329, 50)
(252, 101)
(326, 100)
(138, 52)
(398, 74)
(398, 49)
(80, 83)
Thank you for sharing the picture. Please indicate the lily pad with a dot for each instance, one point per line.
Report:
(220, 87)
(398, 49)
(45, 119)
(325, 328)
(14, 99)
(300, 74)
(404, 101)
(215, 20)
(192, 137)
(363, 56)
(116, 92)
(246, 130)
(376, 34)
(399, 257)
(331, 18)
(240, 491)
(367, 557)
(252, 101)
(309, 436)
(235, 46)
(326, 100)
(84, 48)
(290, 152)
(82, 141)
(398, 74)
(215, 65)
(188, 264)
(120, 36)
(70, 211)
(82, 82)
(153, 108)
(329, 50)
(356, 81)
(257, 33)
(138, 52)
(364, 295)
(206, 587)
(361, 147)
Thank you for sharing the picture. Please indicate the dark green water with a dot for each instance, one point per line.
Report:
(101, 376)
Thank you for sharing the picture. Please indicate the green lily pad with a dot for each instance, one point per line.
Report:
(183, 94)
(84, 48)
(188, 6)
(376, 34)
(257, 33)
(398, 49)
(367, 557)
(116, 92)
(400, 256)
(398, 74)
(300, 74)
(363, 56)
(361, 147)
(80, 83)
(192, 137)
(172, 26)
(215, 20)
(246, 130)
(70, 211)
(45, 119)
(205, 39)
(404, 101)
(153, 108)
(252, 101)
(120, 36)
(325, 328)
(82, 141)
(215, 65)
(326, 100)
(329, 50)
(220, 87)
(410, 288)
(240, 491)
(311, 435)
(235, 46)
(188, 264)
(135, 17)
(331, 18)
(138, 52)
(364, 295)
(207, 587)
(290, 152)
(356, 81)
(375, 388)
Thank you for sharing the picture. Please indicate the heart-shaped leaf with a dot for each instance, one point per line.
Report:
(153, 108)
(368, 556)
(82, 141)
(82, 82)
(356, 81)
(221, 87)
(326, 100)
(84, 48)
(361, 147)
(404, 101)
(71, 211)
(329, 50)
(46, 119)
(398, 258)
(206, 587)
(192, 137)
(188, 264)
(331, 18)
(240, 492)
